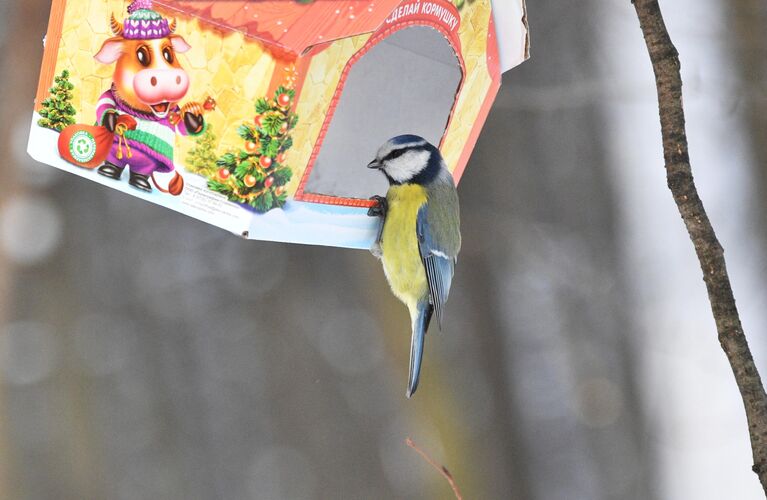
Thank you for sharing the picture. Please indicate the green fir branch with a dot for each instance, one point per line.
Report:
(272, 123)
(282, 175)
(246, 132)
(262, 105)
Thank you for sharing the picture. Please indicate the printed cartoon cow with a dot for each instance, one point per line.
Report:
(148, 84)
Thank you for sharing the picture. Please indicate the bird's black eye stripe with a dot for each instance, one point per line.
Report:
(395, 154)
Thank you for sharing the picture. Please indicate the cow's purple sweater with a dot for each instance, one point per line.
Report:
(157, 151)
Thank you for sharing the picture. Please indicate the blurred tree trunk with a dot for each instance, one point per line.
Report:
(15, 20)
(747, 40)
(557, 300)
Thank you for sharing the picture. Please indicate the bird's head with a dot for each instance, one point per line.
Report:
(408, 159)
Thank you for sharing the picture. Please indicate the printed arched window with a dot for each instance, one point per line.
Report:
(404, 81)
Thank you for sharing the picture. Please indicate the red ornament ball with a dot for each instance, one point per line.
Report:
(269, 181)
(281, 158)
(251, 147)
(223, 174)
(283, 100)
(258, 120)
(265, 161)
(249, 180)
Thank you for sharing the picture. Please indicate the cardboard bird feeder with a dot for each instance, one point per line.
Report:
(260, 116)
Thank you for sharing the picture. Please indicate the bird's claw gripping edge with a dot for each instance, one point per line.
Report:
(378, 210)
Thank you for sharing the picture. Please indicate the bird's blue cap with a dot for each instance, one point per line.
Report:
(406, 139)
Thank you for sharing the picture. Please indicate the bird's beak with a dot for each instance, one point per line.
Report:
(375, 164)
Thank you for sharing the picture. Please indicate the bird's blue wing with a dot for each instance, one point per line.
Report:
(438, 247)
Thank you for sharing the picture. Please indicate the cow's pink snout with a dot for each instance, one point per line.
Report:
(153, 86)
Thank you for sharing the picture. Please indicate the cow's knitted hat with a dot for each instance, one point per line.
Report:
(143, 23)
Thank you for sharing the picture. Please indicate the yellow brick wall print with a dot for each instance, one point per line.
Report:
(260, 116)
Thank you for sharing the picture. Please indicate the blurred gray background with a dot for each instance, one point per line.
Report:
(145, 355)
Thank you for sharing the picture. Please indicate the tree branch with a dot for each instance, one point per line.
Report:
(665, 63)
(440, 468)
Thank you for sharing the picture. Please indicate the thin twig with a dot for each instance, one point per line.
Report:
(668, 80)
(440, 468)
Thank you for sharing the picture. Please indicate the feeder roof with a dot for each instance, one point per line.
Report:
(293, 26)
(290, 25)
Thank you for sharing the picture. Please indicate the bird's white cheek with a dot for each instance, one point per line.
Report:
(407, 166)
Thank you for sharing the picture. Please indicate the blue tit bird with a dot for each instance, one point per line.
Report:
(419, 238)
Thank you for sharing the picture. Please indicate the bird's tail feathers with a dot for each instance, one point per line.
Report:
(420, 325)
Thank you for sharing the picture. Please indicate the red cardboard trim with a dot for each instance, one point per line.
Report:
(51, 52)
(494, 68)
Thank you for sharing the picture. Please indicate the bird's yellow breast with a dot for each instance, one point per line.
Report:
(399, 244)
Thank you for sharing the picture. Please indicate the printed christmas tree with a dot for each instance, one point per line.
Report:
(256, 175)
(57, 111)
(202, 158)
